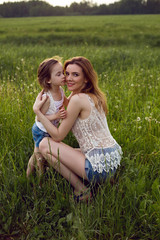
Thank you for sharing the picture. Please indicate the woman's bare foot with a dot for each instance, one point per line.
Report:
(83, 196)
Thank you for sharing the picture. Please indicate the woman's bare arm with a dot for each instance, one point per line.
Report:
(46, 104)
(73, 110)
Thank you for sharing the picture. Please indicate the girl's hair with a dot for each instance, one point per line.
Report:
(44, 71)
(91, 86)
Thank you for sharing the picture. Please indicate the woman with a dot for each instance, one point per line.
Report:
(99, 154)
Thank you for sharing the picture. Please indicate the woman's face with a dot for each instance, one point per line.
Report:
(75, 78)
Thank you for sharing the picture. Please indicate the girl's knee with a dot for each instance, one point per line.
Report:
(43, 145)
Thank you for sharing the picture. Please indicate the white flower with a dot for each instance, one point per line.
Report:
(147, 118)
(138, 119)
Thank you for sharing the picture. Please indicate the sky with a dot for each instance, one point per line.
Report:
(66, 2)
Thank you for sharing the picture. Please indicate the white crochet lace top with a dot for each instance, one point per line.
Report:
(93, 135)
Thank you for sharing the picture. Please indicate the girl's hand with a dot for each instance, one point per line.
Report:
(39, 102)
(63, 112)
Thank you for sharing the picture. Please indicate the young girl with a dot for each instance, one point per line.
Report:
(50, 78)
(99, 154)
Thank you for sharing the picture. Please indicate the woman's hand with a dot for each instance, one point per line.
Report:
(39, 102)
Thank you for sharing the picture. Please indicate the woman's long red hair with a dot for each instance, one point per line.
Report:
(91, 86)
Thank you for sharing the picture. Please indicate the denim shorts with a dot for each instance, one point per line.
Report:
(38, 134)
(95, 176)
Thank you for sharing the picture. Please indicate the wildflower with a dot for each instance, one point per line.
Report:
(147, 118)
(157, 122)
(138, 119)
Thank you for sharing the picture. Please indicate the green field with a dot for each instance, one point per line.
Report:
(125, 52)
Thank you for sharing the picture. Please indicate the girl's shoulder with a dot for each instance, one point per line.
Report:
(48, 94)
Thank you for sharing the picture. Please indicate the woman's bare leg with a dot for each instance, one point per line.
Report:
(69, 162)
(66, 173)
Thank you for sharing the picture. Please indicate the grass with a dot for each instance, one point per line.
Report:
(125, 52)
(107, 31)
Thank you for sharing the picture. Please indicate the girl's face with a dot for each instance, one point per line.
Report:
(57, 75)
(75, 78)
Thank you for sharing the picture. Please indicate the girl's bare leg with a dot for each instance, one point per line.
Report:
(69, 162)
(36, 160)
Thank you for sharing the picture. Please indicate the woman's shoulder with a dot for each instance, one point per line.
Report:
(81, 101)
(79, 97)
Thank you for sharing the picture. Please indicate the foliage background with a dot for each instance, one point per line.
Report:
(34, 8)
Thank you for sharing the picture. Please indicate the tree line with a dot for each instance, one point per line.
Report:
(33, 8)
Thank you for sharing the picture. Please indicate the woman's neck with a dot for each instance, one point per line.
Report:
(76, 92)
